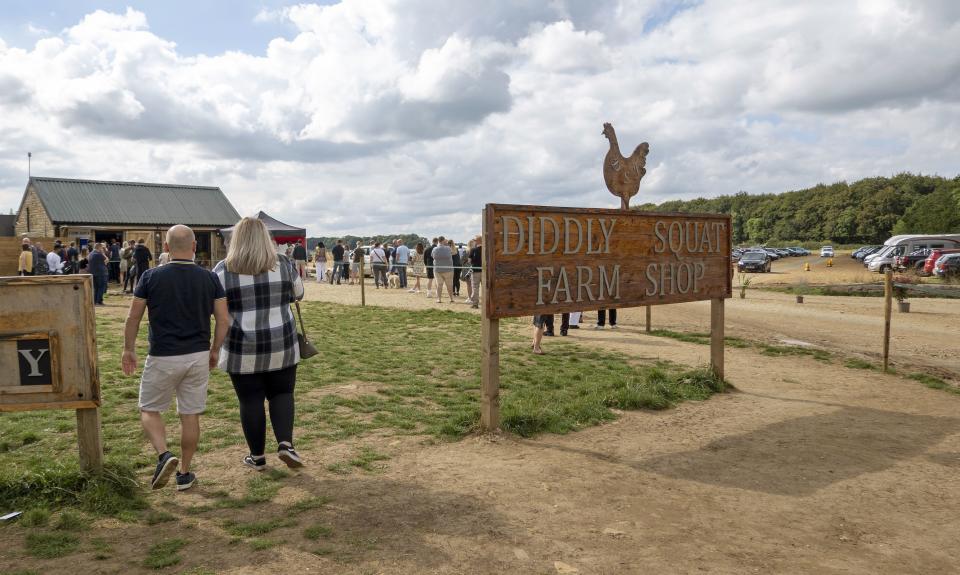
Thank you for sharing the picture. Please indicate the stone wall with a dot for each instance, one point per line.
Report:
(39, 224)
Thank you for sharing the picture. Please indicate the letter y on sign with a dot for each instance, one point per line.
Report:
(34, 361)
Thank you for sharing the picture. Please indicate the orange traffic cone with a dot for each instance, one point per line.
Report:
(806, 267)
(830, 263)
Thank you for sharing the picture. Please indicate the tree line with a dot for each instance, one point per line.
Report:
(867, 211)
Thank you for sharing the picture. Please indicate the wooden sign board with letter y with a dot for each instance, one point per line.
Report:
(48, 353)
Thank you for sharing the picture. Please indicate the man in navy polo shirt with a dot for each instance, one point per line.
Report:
(180, 298)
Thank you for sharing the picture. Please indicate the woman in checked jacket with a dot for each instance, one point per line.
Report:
(261, 352)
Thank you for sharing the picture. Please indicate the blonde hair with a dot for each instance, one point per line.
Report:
(251, 250)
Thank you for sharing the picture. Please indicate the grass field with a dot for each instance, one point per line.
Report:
(382, 372)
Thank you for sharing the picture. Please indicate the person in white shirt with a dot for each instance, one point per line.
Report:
(54, 263)
(378, 259)
(401, 256)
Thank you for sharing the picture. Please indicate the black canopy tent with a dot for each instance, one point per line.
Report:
(281, 232)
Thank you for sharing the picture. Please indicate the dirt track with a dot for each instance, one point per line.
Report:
(808, 467)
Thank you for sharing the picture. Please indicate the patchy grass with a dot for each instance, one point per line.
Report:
(934, 382)
(307, 504)
(366, 457)
(35, 517)
(857, 363)
(71, 520)
(256, 528)
(164, 554)
(156, 517)
(699, 338)
(317, 531)
(51, 545)
(261, 544)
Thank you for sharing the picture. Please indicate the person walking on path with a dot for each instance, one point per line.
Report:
(401, 257)
(338, 251)
(476, 274)
(25, 262)
(300, 258)
(179, 298)
(416, 266)
(443, 269)
(97, 267)
(261, 351)
(378, 259)
(320, 261)
(539, 324)
(143, 257)
(428, 263)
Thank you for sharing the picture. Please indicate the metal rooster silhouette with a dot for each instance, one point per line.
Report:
(623, 175)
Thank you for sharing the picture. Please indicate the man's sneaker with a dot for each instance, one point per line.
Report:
(166, 465)
(613, 326)
(287, 455)
(256, 463)
(185, 480)
(598, 327)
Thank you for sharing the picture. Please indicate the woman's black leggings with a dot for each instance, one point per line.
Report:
(277, 388)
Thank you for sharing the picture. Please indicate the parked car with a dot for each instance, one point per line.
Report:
(931, 260)
(754, 262)
(865, 251)
(947, 266)
(826, 252)
(912, 261)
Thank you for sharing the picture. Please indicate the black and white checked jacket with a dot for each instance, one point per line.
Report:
(263, 334)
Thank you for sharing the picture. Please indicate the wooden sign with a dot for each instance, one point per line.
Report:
(48, 352)
(543, 260)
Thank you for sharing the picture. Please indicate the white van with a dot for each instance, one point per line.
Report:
(882, 260)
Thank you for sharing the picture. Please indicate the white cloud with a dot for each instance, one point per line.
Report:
(381, 115)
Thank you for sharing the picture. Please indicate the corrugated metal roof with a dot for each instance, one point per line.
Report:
(94, 202)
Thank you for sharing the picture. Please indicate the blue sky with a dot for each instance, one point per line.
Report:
(382, 116)
(198, 26)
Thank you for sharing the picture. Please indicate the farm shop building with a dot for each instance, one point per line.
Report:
(92, 211)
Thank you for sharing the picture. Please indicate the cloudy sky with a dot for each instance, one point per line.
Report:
(369, 116)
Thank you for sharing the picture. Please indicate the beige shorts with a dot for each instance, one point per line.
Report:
(186, 375)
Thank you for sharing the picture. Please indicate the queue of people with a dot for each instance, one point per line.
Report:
(443, 265)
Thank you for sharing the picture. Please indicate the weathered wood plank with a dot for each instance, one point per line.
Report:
(89, 440)
(555, 260)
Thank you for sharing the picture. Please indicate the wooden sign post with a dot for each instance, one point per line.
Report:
(48, 353)
(545, 260)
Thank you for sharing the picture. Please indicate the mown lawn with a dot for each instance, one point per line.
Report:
(382, 371)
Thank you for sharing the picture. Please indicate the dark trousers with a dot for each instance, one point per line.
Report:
(129, 277)
(402, 274)
(276, 387)
(380, 274)
(99, 288)
(602, 316)
(115, 271)
(564, 323)
(456, 281)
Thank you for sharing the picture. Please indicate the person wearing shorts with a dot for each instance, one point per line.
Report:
(539, 323)
(180, 298)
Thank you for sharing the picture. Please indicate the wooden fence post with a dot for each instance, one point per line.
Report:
(89, 441)
(490, 374)
(363, 285)
(648, 318)
(887, 308)
(716, 336)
